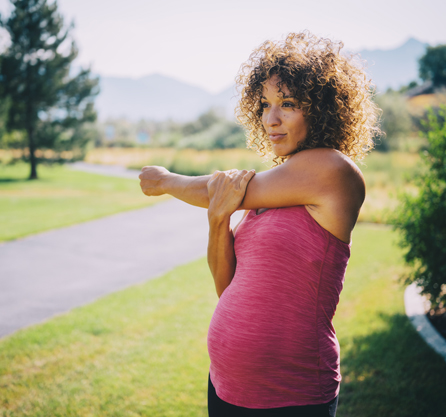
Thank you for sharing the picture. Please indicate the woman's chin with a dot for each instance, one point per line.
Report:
(283, 152)
(278, 153)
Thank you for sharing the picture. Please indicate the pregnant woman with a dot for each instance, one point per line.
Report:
(279, 274)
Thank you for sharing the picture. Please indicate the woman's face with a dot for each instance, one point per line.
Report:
(282, 119)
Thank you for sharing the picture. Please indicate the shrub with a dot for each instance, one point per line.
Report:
(395, 120)
(421, 218)
(221, 135)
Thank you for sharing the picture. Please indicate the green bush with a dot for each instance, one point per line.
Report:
(395, 120)
(421, 218)
(220, 135)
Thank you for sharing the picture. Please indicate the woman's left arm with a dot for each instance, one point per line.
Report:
(226, 191)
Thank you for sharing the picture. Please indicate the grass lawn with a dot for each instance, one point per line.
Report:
(142, 351)
(386, 175)
(60, 197)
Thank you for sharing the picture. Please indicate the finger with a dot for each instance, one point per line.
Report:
(240, 174)
(246, 178)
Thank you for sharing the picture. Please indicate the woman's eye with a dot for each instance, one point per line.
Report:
(263, 105)
(288, 104)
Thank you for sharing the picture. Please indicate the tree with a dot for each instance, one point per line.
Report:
(46, 101)
(4, 107)
(433, 65)
(421, 219)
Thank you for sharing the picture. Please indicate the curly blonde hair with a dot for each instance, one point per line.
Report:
(333, 92)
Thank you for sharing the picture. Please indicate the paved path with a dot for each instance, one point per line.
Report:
(109, 170)
(55, 271)
(416, 307)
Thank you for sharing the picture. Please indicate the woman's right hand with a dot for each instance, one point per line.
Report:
(152, 178)
(226, 191)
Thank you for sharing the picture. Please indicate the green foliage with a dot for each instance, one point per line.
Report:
(4, 107)
(120, 132)
(46, 101)
(220, 135)
(421, 120)
(209, 131)
(395, 121)
(15, 139)
(205, 121)
(433, 65)
(421, 218)
(408, 87)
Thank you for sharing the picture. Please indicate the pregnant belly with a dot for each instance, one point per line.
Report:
(249, 336)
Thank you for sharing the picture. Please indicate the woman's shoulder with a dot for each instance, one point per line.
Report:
(333, 172)
(339, 187)
(326, 161)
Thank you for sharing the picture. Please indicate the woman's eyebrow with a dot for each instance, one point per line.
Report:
(282, 96)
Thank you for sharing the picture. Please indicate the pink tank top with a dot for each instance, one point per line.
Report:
(271, 339)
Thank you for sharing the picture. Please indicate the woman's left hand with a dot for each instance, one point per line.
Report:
(226, 191)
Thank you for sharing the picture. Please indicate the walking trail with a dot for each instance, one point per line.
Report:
(53, 272)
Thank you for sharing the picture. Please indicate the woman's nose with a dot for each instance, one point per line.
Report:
(273, 117)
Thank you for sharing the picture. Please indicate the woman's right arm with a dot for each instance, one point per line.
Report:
(157, 180)
(318, 177)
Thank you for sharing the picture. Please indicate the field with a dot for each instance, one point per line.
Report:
(142, 351)
(60, 198)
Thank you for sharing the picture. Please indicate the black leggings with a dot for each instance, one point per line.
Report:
(220, 408)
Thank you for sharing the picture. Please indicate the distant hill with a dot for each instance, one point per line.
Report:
(157, 97)
(394, 67)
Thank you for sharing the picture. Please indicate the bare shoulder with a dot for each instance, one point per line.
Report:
(330, 166)
(322, 178)
(324, 160)
(340, 189)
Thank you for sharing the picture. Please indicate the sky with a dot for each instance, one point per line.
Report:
(204, 42)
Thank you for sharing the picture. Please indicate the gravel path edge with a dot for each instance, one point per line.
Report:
(416, 306)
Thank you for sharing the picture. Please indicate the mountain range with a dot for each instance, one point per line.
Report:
(157, 97)
(394, 67)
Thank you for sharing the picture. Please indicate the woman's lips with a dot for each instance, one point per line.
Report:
(274, 137)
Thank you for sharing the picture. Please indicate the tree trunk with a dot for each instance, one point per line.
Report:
(30, 123)
(32, 153)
